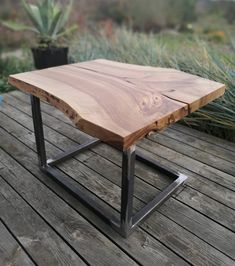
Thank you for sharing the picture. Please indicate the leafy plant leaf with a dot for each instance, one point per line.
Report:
(68, 31)
(63, 19)
(34, 15)
(66, 14)
(17, 26)
(54, 23)
(48, 18)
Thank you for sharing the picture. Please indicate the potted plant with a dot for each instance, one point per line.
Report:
(49, 20)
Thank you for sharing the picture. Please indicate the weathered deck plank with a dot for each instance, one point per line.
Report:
(207, 205)
(199, 144)
(195, 226)
(212, 189)
(230, 146)
(158, 225)
(11, 253)
(40, 241)
(68, 223)
(198, 154)
(29, 161)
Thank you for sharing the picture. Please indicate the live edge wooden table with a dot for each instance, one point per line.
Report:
(118, 104)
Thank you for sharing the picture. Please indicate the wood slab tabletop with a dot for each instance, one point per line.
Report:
(116, 102)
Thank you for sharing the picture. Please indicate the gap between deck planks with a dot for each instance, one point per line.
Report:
(11, 252)
(53, 139)
(200, 145)
(195, 153)
(202, 201)
(227, 145)
(203, 187)
(211, 189)
(160, 226)
(141, 244)
(34, 234)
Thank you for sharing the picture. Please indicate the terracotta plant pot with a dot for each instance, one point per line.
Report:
(50, 57)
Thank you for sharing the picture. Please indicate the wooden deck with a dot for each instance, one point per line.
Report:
(41, 224)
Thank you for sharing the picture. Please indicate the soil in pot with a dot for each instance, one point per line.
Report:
(50, 57)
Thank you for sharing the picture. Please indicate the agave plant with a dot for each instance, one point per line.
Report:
(49, 21)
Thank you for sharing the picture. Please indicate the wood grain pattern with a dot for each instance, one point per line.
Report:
(116, 102)
(196, 227)
(51, 124)
(81, 235)
(35, 235)
(163, 228)
(11, 253)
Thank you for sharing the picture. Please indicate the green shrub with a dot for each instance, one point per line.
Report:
(11, 66)
(48, 19)
(152, 15)
(148, 15)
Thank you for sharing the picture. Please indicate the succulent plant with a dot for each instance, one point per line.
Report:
(49, 20)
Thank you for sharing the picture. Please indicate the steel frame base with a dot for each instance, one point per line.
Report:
(127, 222)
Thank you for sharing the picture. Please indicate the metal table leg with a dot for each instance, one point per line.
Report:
(128, 221)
